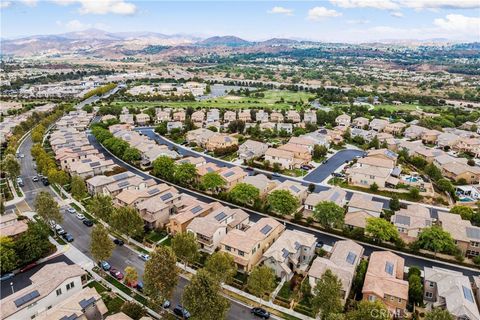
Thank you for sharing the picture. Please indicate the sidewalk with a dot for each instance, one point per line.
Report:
(16, 198)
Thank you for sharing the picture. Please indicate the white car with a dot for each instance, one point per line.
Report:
(144, 257)
(80, 216)
(71, 210)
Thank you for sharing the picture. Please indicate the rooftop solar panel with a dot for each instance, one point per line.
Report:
(294, 189)
(473, 232)
(220, 216)
(73, 316)
(26, 298)
(405, 220)
(467, 293)
(94, 164)
(153, 191)
(285, 253)
(209, 169)
(351, 258)
(122, 184)
(266, 229)
(86, 160)
(389, 268)
(335, 196)
(120, 176)
(166, 196)
(228, 174)
(84, 303)
(197, 209)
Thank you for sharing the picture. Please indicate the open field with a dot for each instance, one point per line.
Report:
(272, 100)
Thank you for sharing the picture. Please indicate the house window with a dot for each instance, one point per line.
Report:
(241, 253)
(59, 292)
(428, 294)
(431, 284)
(399, 299)
(228, 248)
(70, 285)
(371, 298)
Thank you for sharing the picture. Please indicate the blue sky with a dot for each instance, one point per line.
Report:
(328, 20)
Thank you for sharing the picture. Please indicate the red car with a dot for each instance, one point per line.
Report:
(116, 274)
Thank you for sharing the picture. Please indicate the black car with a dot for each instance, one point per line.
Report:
(181, 312)
(88, 222)
(118, 242)
(68, 237)
(45, 181)
(260, 312)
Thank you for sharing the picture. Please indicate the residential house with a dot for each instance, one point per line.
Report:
(261, 116)
(179, 116)
(470, 145)
(319, 137)
(367, 135)
(287, 127)
(360, 123)
(213, 115)
(90, 167)
(212, 228)
(191, 208)
(342, 262)
(247, 246)
(383, 154)
(132, 197)
(156, 211)
(384, 281)
(163, 115)
(310, 117)
(334, 194)
(127, 118)
(343, 120)
(447, 140)
(107, 118)
(457, 171)
(443, 159)
(411, 221)
(293, 116)
(302, 142)
(229, 116)
(245, 116)
(370, 170)
(360, 208)
(207, 168)
(301, 153)
(267, 126)
(67, 156)
(378, 124)
(220, 141)
(10, 226)
(196, 161)
(335, 136)
(199, 136)
(430, 136)
(291, 253)
(232, 176)
(395, 128)
(252, 149)
(452, 291)
(276, 117)
(129, 183)
(414, 132)
(97, 183)
(142, 119)
(171, 125)
(198, 117)
(285, 159)
(261, 182)
(429, 154)
(52, 284)
(298, 190)
(466, 236)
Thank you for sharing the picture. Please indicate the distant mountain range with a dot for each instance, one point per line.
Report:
(94, 42)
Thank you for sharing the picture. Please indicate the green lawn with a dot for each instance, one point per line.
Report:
(272, 99)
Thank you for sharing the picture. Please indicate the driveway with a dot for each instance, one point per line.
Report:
(324, 170)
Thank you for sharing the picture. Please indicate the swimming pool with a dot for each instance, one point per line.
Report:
(411, 179)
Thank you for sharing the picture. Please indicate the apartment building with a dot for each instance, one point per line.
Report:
(247, 246)
(384, 281)
(342, 262)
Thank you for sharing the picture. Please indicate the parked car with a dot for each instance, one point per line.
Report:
(324, 161)
(139, 286)
(338, 175)
(71, 210)
(118, 242)
(6, 276)
(144, 257)
(181, 312)
(59, 230)
(105, 265)
(45, 181)
(68, 237)
(28, 267)
(20, 181)
(88, 222)
(116, 274)
(305, 167)
(35, 179)
(260, 312)
(80, 216)
(166, 304)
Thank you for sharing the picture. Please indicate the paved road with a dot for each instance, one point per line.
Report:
(324, 170)
(326, 238)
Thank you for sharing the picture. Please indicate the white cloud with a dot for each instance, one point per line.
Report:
(101, 6)
(281, 10)
(459, 23)
(360, 21)
(5, 4)
(30, 3)
(75, 25)
(319, 13)
(441, 4)
(376, 4)
(397, 14)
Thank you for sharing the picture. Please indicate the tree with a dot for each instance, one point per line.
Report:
(471, 162)
(8, 256)
(415, 289)
(414, 193)
(203, 298)
(319, 151)
(78, 188)
(374, 187)
(212, 181)
(127, 220)
(367, 310)
(357, 283)
(164, 168)
(261, 281)
(185, 247)
(445, 185)
(439, 314)
(394, 203)
(436, 239)
(222, 266)
(162, 128)
(433, 172)
(381, 229)
(33, 244)
(131, 275)
(47, 208)
(185, 173)
(134, 310)
(161, 275)
(329, 214)
(244, 193)
(282, 202)
(101, 207)
(327, 295)
(131, 155)
(465, 212)
(11, 166)
(101, 247)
